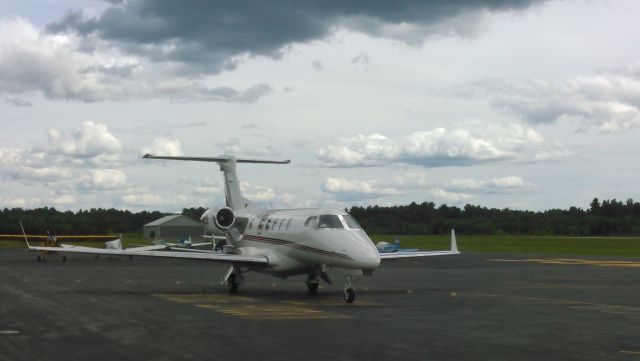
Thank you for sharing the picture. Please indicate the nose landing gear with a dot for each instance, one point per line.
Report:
(349, 291)
(312, 283)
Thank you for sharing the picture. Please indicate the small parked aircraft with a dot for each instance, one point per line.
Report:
(280, 242)
(386, 247)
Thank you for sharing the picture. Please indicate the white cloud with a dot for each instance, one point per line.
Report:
(209, 187)
(17, 164)
(143, 198)
(164, 146)
(91, 140)
(257, 193)
(347, 189)
(446, 196)
(507, 182)
(492, 185)
(441, 147)
(19, 202)
(63, 200)
(104, 179)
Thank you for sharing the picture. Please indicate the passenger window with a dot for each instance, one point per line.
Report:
(267, 226)
(311, 222)
(251, 223)
(281, 223)
(329, 221)
(288, 223)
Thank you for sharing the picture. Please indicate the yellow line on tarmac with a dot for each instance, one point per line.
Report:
(605, 308)
(631, 352)
(572, 261)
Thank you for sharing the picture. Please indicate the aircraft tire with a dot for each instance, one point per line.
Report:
(349, 295)
(312, 287)
(232, 286)
(38, 258)
(64, 258)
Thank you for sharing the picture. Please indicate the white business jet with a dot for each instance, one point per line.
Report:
(280, 242)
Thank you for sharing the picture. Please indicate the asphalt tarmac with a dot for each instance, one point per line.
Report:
(475, 306)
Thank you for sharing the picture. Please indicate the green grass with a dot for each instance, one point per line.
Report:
(595, 246)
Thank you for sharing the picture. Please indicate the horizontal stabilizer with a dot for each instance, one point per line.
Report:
(222, 159)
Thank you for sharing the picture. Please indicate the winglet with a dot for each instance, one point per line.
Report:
(454, 242)
(25, 235)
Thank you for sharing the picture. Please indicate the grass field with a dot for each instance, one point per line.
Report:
(601, 246)
(596, 246)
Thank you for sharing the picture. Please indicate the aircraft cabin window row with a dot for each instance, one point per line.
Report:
(281, 224)
(331, 221)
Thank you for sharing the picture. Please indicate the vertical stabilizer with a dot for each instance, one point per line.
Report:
(454, 242)
(232, 192)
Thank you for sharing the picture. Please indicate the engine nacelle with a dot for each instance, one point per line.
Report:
(219, 219)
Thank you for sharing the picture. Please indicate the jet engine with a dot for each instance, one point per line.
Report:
(218, 220)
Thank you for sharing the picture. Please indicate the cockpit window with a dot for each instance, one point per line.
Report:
(311, 222)
(329, 221)
(351, 223)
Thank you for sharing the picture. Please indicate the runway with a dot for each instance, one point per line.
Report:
(475, 306)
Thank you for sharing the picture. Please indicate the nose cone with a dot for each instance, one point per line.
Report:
(365, 254)
(369, 259)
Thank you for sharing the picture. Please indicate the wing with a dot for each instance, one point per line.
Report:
(203, 255)
(209, 256)
(416, 254)
(406, 254)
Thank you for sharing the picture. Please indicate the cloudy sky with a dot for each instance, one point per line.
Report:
(524, 104)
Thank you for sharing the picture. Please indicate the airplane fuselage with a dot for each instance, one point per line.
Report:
(298, 241)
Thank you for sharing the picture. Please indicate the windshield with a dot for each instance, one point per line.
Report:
(329, 221)
(351, 223)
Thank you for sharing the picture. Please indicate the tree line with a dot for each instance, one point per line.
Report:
(93, 221)
(602, 218)
(606, 218)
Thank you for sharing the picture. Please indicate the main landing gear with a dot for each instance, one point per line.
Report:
(233, 279)
(349, 291)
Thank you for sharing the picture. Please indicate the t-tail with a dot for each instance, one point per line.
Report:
(227, 163)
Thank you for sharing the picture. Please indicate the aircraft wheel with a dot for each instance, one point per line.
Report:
(232, 286)
(313, 287)
(38, 258)
(64, 258)
(349, 295)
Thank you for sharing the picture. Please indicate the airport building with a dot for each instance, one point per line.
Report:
(174, 228)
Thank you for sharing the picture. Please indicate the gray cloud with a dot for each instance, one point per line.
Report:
(207, 35)
(32, 62)
(608, 101)
(18, 102)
